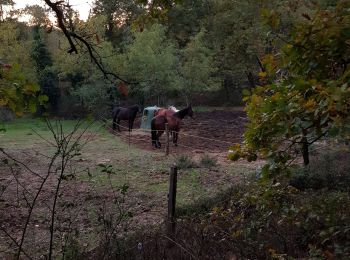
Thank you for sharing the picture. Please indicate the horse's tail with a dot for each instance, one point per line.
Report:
(154, 133)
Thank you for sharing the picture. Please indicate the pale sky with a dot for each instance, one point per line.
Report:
(82, 6)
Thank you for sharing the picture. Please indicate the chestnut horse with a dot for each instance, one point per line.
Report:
(125, 113)
(158, 125)
(166, 111)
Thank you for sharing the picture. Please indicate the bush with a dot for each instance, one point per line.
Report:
(331, 171)
(261, 222)
(71, 248)
(204, 204)
(279, 221)
(185, 162)
(208, 161)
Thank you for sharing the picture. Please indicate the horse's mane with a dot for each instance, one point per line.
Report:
(173, 108)
(182, 113)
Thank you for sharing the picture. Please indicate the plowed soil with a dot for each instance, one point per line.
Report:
(212, 132)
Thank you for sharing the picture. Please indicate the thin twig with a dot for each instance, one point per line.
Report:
(21, 163)
(71, 35)
(14, 241)
(53, 159)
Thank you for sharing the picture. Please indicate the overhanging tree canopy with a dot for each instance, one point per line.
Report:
(310, 94)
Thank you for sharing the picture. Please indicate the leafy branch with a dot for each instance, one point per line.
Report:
(71, 35)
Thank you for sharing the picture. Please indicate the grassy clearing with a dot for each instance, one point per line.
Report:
(142, 170)
(27, 131)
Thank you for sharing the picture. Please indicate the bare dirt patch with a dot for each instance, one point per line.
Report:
(210, 132)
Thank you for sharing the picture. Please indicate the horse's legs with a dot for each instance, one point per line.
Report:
(175, 136)
(159, 133)
(154, 138)
(114, 118)
(154, 133)
(118, 121)
(131, 123)
(157, 143)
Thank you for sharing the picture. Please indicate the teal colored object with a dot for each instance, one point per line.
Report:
(147, 115)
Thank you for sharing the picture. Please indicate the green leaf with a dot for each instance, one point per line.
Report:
(32, 106)
(42, 99)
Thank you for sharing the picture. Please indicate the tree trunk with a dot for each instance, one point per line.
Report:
(305, 150)
(1, 14)
(260, 64)
(251, 79)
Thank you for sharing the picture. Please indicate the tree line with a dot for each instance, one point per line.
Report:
(180, 50)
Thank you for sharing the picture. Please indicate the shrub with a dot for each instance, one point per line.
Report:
(331, 171)
(208, 161)
(71, 249)
(185, 162)
(278, 220)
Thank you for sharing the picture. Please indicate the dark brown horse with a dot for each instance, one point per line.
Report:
(158, 125)
(125, 113)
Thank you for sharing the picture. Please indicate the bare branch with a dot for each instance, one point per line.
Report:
(21, 163)
(57, 7)
(14, 241)
(68, 149)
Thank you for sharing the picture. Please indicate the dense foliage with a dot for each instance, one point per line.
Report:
(176, 48)
(152, 61)
(47, 77)
(16, 92)
(307, 91)
(19, 90)
(167, 49)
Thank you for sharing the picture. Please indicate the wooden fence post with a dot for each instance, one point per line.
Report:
(167, 139)
(172, 201)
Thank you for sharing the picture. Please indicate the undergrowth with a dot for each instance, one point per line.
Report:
(262, 222)
(185, 162)
(265, 221)
(208, 161)
(330, 171)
